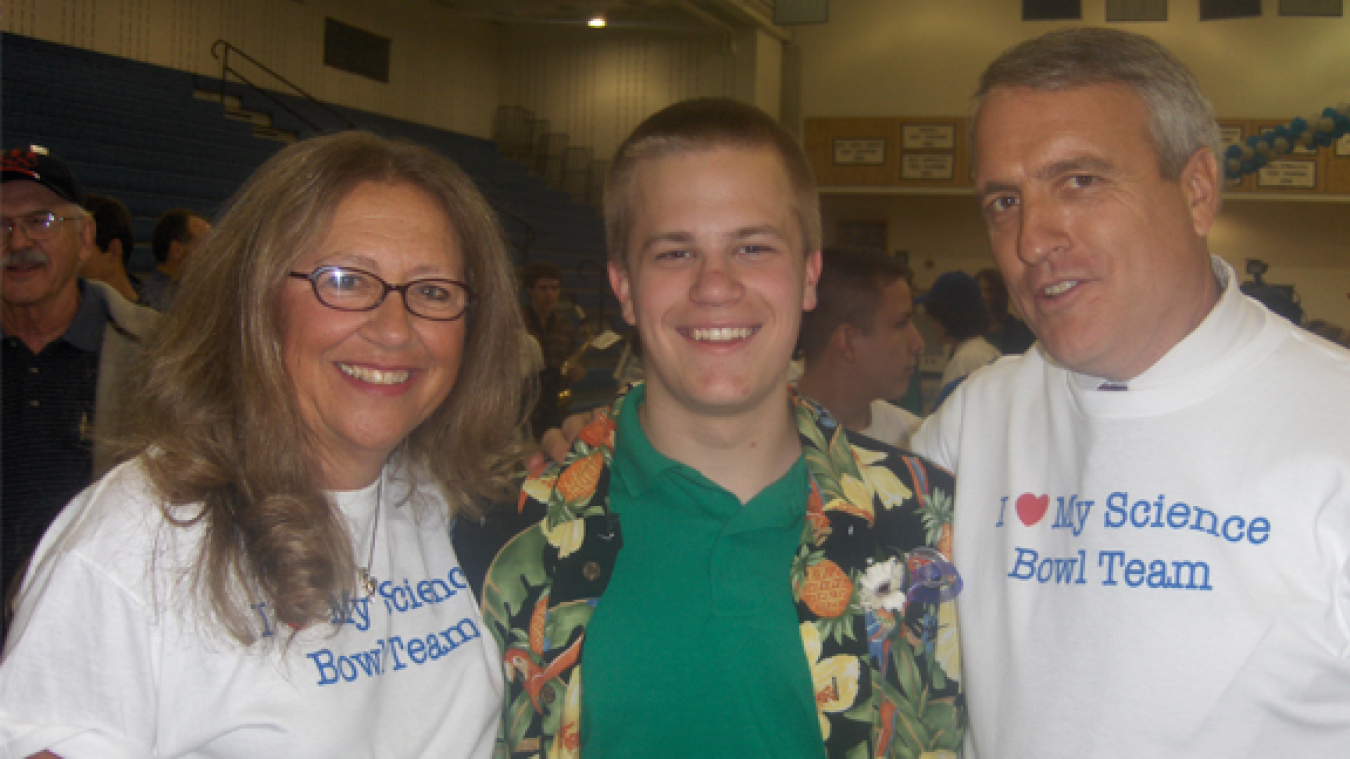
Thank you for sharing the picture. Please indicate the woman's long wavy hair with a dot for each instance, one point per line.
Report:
(221, 427)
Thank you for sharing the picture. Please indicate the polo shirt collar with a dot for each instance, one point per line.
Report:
(86, 331)
(91, 316)
(637, 464)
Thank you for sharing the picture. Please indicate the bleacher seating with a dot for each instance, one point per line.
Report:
(138, 132)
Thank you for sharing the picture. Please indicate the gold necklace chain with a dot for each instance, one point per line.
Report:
(369, 581)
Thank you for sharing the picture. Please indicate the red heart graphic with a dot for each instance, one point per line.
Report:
(1031, 508)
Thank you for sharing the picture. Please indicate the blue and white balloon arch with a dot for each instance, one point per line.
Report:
(1319, 131)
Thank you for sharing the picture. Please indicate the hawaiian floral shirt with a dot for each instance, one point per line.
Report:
(871, 580)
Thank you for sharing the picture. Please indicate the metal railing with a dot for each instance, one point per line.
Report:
(221, 50)
(505, 215)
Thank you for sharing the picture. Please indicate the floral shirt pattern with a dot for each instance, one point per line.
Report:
(885, 664)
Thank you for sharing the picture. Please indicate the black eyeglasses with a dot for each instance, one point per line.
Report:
(347, 289)
(38, 226)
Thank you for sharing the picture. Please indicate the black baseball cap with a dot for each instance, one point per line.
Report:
(34, 163)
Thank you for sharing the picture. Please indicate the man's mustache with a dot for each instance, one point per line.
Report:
(25, 257)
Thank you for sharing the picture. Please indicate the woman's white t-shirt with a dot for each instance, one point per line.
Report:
(110, 655)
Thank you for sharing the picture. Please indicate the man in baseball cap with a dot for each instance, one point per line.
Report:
(67, 346)
(37, 164)
(46, 236)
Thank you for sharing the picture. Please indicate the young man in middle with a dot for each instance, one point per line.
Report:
(740, 578)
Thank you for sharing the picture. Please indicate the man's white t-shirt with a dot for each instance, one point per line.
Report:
(1162, 571)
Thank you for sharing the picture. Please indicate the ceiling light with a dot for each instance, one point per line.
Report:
(596, 22)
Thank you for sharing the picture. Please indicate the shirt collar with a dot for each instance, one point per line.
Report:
(1218, 334)
(637, 464)
(86, 331)
(532, 317)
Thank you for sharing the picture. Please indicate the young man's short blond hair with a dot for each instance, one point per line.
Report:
(699, 125)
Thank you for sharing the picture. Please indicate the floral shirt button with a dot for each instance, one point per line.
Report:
(591, 570)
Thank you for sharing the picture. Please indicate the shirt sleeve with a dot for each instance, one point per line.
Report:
(939, 438)
(79, 675)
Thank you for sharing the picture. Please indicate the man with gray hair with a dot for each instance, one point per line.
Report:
(1154, 510)
(69, 345)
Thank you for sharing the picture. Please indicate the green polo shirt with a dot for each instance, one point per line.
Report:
(694, 649)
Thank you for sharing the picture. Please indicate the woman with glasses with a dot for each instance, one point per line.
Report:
(273, 575)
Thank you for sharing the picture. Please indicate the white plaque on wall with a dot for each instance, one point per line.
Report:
(929, 136)
(928, 167)
(1301, 174)
(860, 151)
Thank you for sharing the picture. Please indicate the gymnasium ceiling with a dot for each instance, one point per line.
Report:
(684, 16)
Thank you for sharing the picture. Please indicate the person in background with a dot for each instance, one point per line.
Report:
(177, 235)
(860, 344)
(912, 400)
(557, 338)
(1154, 511)
(1006, 332)
(272, 575)
(956, 308)
(70, 348)
(114, 241)
(735, 575)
